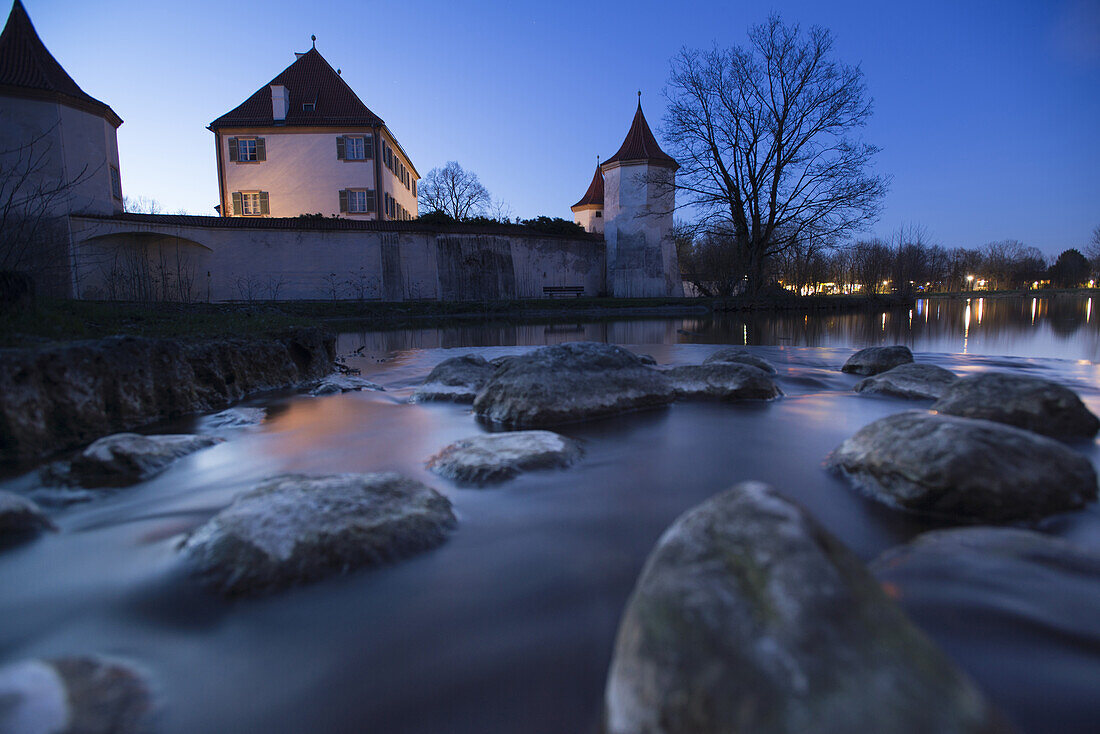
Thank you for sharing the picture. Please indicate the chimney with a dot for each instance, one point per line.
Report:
(280, 102)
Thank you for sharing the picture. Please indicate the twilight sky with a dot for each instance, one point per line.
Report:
(988, 113)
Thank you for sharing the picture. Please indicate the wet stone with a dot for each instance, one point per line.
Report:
(495, 457)
(749, 617)
(20, 519)
(722, 381)
(910, 381)
(293, 529)
(234, 418)
(873, 360)
(965, 469)
(736, 355)
(336, 384)
(458, 379)
(127, 458)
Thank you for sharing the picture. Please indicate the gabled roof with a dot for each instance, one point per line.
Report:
(641, 146)
(309, 79)
(27, 69)
(594, 195)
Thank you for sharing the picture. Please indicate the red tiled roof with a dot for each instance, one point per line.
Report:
(594, 195)
(309, 79)
(28, 69)
(640, 145)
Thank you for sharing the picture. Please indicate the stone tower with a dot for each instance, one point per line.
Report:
(639, 199)
(588, 212)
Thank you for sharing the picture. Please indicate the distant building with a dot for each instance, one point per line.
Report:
(58, 156)
(631, 200)
(306, 144)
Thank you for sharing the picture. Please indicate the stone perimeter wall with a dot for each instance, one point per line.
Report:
(115, 258)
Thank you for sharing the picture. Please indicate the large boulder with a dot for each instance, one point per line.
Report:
(126, 458)
(738, 355)
(722, 381)
(750, 617)
(336, 383)
(570, 382)
(293, 529)
(494, 457)
(963, 468)
(989, 590)
(872, 360)
(911, 381)
(75, 695)
(458, 379)
(20, 519)
(1025, 402)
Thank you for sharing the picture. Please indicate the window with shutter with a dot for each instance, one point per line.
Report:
(354, 149)
(343, 201)
(246, 150)
(368, 145)
(261, 150)
(237, 207)
(370, 201)
(232, 149)
(265, 208)
(340, 147)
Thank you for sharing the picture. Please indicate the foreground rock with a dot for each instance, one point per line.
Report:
(910, 381)
(336, 384)
(127, 458)
(986, 591)
(458, 379)
(495, 457)
(736, 355)
(78, 695)
(872, 360)
(722, 381)
(570, 382)
(964, 469)
(749, 617)
(292, 529)
(59, 397)
(234, 418)
(20, 519)
(1018, 400)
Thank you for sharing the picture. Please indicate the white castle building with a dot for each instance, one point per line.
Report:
(631, 200)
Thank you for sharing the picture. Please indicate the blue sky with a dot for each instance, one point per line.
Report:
(988, 113)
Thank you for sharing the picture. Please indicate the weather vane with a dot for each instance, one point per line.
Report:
(314, 39)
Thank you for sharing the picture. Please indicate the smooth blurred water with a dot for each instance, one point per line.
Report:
(509, 626)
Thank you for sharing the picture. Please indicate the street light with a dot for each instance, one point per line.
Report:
(970, 282)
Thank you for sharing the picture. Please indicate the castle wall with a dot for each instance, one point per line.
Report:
(237, 263)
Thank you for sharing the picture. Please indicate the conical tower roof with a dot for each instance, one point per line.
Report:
(640, 146)
(594, 195)
(29, 70)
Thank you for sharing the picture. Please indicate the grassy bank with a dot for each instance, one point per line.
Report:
(50, 321)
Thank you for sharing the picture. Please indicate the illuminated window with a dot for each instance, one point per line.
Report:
(250, 204)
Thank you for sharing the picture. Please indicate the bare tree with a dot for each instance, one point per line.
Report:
(141, 205)
(765, 137)
(454, 191)
(1093, 250)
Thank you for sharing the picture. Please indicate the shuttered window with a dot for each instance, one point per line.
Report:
(356, 201)
(247, 150)
(251, 203)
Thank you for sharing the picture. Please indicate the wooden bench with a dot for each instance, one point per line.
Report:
(563, 291)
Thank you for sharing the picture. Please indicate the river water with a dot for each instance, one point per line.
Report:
(509, 626)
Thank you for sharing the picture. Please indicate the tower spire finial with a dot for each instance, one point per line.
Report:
(639, 99)
(314, 39)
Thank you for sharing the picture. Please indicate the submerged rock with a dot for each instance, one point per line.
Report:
(722, 381)
(335, 384)
(494, 457)
(234, 418)
(293, 529)
(570, 382)
(1025, 402)
(20, 519)
(911, 381)
(872, 360)
(126, 458)
(749, 617)
(458, 379)
(963, 468)
(76, 695)
(737, 355)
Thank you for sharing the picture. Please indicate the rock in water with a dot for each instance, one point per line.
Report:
(494, 457)
(722, 381)
(335, 384)
(20, 519)
(749, 617)
(1022, 401)
(737, 355)
(234, 418)
(293, 529)
(458, 379)
(872, 360)
(126, 458)
(910, 381)
(79, 695)
(963, 468)
(570, 382)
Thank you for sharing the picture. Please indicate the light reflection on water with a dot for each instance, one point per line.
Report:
(509, 625)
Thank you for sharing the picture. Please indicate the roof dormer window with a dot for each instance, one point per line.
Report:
(309, 106)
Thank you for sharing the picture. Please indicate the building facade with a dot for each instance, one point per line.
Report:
(306, 144)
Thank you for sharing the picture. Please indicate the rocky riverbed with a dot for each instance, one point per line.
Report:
(392, 552)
